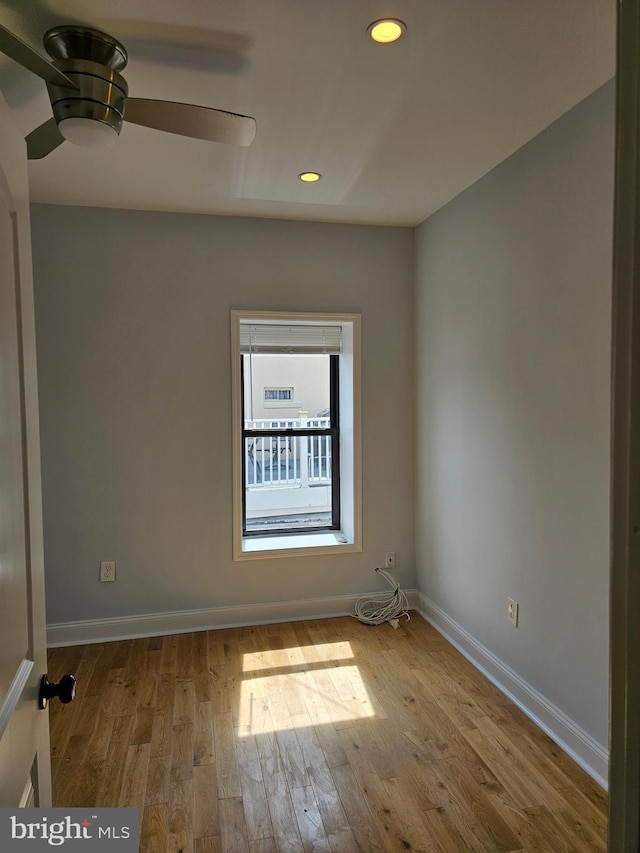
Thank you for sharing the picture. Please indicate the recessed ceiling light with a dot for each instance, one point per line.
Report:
(386, 30)
(309, 177)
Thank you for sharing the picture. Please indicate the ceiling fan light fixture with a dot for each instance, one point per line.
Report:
(386, 30)
(87, 132)
(309, 177)
(89, 96)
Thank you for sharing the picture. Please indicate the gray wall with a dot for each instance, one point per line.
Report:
(134, 372)
(512, 334)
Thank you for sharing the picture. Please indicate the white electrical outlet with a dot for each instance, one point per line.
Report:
(390, 560)
(512, 612)
(107, 571)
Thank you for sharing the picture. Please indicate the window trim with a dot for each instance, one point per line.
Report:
(350, 497)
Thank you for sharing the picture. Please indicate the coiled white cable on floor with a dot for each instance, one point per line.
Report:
(385, 607)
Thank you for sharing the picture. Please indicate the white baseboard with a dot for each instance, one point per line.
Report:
(585, 751)
(184, 621)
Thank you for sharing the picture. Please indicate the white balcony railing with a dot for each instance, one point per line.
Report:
(287, 477)
(287, 461)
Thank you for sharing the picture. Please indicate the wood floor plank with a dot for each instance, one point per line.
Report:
(531, 840)
(154, 829)
(184, 702)
(77, 781)
(578, 779)
(357, 810)
(148, 684)
(143, 725)
(459, 705)
(569, 835)
(310, 826)
(182, 752)
(233, 827)
(213, 844)
(203, 734)
(541, 762)
(218, 688)
(158, 780)
(56, 764)
(225, 751)
(443, 834)
(162, 726)
(215, 649)
(263, 845)
(334, 819)
(113, 693)
(185, 657)
(203, 681)
(181, 815)
(323, 735)
(476, 818)
(87, 713)
(445, 660)
(273, 775)
(134, 780)
(111, 782)
(583, 834)
(509, 772)
(62, 727)
(205, 794)
(372, 750)
(284, 823)
(254, 797)
(97, 746)
(292, 759)
(542, 789)
(169, 658)
(586, 809)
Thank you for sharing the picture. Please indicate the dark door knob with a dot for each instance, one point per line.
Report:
(65, 690)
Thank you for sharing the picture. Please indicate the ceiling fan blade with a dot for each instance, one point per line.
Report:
(43, 140)
(190, 120)
(24, 55)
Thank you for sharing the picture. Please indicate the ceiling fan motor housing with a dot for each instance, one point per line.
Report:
(100, 95)
(90, 59)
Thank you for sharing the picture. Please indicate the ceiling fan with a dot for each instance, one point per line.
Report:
(90, 98)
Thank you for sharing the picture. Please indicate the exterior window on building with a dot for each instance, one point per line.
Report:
(278, 394)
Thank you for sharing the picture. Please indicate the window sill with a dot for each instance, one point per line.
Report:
(295, 545)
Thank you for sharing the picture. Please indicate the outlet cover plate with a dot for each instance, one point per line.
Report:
(512, 612)
(107, 571)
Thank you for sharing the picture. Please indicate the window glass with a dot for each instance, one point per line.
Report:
(290, 462)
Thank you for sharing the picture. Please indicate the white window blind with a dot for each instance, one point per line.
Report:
(296, 339)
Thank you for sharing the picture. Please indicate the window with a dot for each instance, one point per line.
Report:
(278, 394)
(296, 472)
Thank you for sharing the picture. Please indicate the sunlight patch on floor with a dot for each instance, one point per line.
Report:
(274, 658)
(326, 690)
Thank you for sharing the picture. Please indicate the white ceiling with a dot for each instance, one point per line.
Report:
(396, 130)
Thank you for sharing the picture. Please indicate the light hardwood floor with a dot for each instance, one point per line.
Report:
(323, 735)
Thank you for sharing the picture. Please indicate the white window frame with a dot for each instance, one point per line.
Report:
(349, 538)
